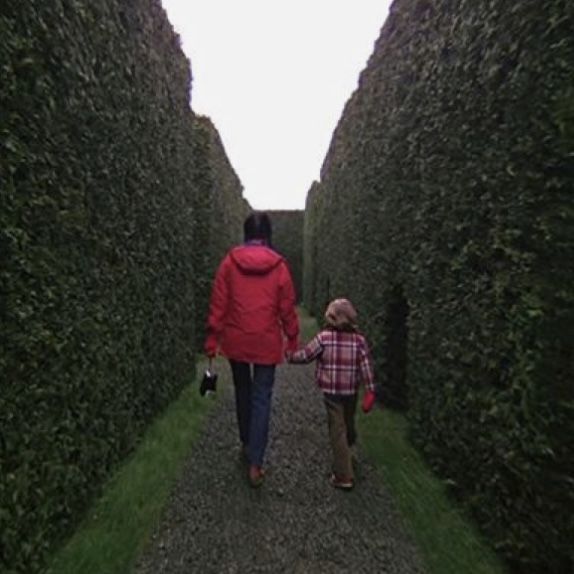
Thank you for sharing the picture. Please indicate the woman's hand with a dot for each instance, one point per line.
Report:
(210, 347)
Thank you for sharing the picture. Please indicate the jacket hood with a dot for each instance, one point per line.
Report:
(255, 259)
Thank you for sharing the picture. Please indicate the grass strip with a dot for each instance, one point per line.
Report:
(120, 521)
(447, 540)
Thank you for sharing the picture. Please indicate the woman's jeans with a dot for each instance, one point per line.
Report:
(253, 404)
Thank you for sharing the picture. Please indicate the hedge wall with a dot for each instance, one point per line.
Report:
(99, 212)
(223, 209)
(288, 240)
(445, 213)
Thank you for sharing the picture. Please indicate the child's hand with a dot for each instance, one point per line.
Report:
(368, 401)
(288, 355)
(292, 345)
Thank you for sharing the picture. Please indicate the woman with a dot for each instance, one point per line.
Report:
(251, 313)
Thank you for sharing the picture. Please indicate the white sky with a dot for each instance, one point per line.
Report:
(274, 76)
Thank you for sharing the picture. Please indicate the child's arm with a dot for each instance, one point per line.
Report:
(367, 376)
(308, 353)
(366, 367)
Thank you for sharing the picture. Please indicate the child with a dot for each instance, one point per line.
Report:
(343, 361)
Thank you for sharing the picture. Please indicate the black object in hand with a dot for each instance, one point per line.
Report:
(208, 383)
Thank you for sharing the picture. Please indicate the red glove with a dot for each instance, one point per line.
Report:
(368, 401)
(210, 346)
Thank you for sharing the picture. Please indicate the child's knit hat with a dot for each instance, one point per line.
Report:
(341, 314)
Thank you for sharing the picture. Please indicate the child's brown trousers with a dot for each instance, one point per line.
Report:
(341, 419)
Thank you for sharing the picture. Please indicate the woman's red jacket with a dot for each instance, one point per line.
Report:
(252, 310)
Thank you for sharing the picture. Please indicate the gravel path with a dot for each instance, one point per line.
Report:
(296, 522)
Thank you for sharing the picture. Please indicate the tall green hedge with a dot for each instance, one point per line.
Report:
(445, 212)
(223, 209)
(288, 240)
(99, 228)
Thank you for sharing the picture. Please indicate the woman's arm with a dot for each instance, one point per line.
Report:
(287, 313)
(217, 309)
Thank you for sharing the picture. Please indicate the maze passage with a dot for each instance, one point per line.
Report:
(443, 211)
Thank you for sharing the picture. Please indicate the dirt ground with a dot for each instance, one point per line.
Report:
(296, 522)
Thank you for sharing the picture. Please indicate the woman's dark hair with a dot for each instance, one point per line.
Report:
(257, 226)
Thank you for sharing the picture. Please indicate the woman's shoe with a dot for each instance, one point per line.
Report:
(256, 476)
(342, 483)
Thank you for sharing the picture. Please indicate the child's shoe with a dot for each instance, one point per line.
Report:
(256, 476)
(342, 483)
